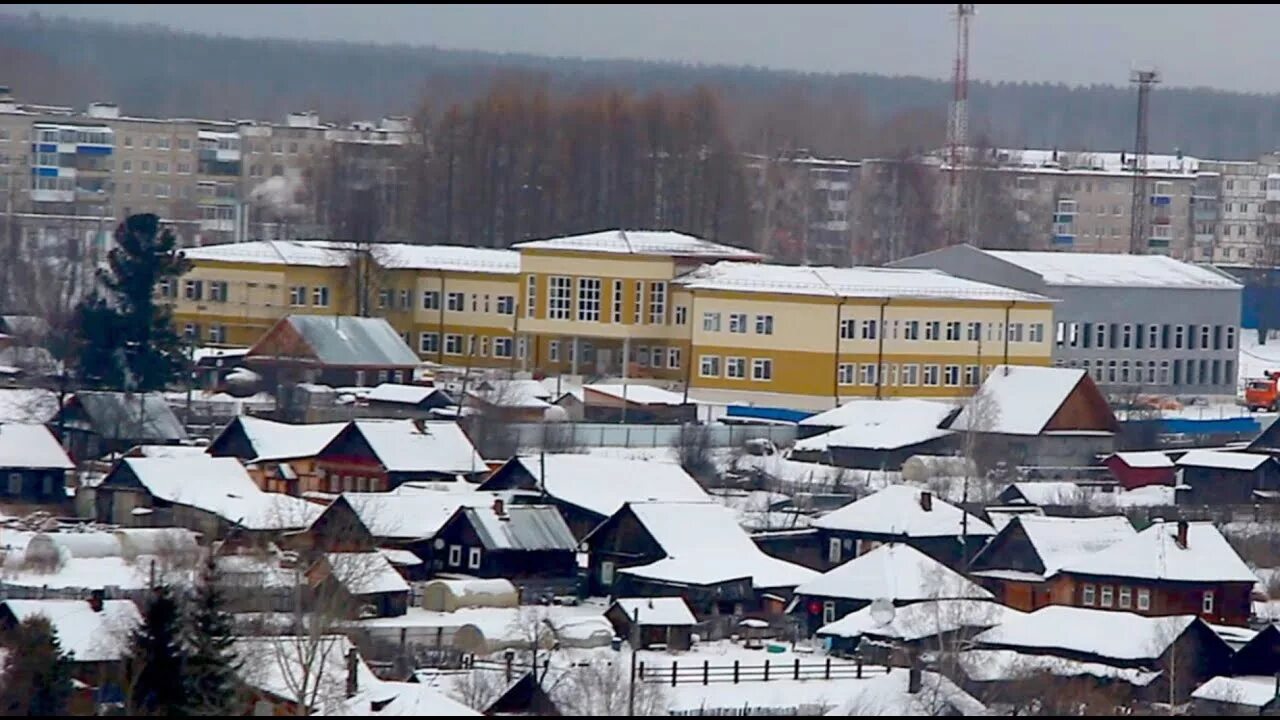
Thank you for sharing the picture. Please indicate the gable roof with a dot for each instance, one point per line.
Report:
(1223, 460)
(1115, 270)
(878, 424)
(896, 510)
(277, 666)
(1109, 634)
(31, 447)
(603, 484)
(121, 416)
(220, 486)
(408, 514)
(1061, 540)
(1045, 492)
(1154, 554)
(1023, 399)
(520, 527)
(419, 445)
(894, 571)
(656, 611)
(513, 394)
(92, 636)
(1256, 691)
(919, 620)
(365, 573)
(664, 243)
(273, 440)
(635, 393)
(27, 405)
(344, 340)
(1144, 459)
(705, 545)
(403, 394)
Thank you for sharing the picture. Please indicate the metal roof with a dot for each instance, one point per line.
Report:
(121, 416)
(521, 527)
(348, 340)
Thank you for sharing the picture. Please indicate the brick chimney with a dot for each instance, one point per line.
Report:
(1182, 534)
(353, 680)
(96, 599)
(926, 501)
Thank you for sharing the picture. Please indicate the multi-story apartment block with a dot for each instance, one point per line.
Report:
(804, 206)
(657, 305)
(1229, 213)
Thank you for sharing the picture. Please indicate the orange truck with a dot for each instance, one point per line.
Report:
(1260, 393)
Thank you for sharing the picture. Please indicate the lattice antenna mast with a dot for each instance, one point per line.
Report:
(1145, 80)
(958, 120)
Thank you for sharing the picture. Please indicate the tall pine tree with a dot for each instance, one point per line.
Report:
(212, 664)
(37, 674)
(157, 661)
(127, 340)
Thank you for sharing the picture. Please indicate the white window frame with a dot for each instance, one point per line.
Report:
(607, 569)
(932, 330)
(1144, 599)
(1036, 333)
(845, 373)
(953, 331)
(638, 304)
(972, 375)
(1088, 595)
(1126, 598)
(559, 297)
(867, 374)
(738, 323)
(682, 315)
(656, 354)
(657, 303)
(455, 555)
(428, 342)
(828, 612)
(217, 334)
(1015, 332)
(473, 558)
(761, 369)
(506, 305)
(589, 295)
(833, 550)
(1106, 598)
(531, 296)
(764, 324)
(430, 299)
(973, 332)
(951, 375)
(910, 374)
(911, 330)
(553, 351)
(673, 358)
(869, 328)
(320, 296)
(709, 366)
(710, 322)
(453, 344)
(930, 375)
(502, 347)
(1206, 602)
(848, 328)
(615, 305)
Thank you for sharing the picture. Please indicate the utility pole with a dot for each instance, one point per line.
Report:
(631, 694)
(1145, 80)
(958, 121)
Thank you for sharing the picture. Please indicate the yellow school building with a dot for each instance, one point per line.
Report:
(638, 304)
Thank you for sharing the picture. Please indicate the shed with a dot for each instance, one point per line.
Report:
(34, 466)
(368, 578)
(665, 621)
(1140, 469)
(97, 423)
(528, 544)
(449, 595)
(397, 397)
(1213, 477)
(338, 350)
(1244, 695)
(610, 402)
(876, 434)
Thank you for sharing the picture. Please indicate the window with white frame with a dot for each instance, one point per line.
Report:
(298, 295)
(1126, 597)
(971, 376)
(1036, 333)
(673, 358)
(869, 328)
(217, 291)
(506, 305)
(711, 322)
(1087, 595)
(910, 374)
(1100, 335)
(1153, 337)
(452, 344)
(559, 297)
(1144, 599)
(217, 333)
(931, 375)
(764, 324)
(762, 369)
(951, 375)
(709, 366)
(473, 558)
(910, 329)
(430, 299)
(656, 355)
(641, 355)
(867, 374)
(615, 306)
(657, 303)
(428, 342)
(737, 322)
(848, 329)
(384, 298)
(531, 296)
(845, 373)
(682, 315)
(1179, 333)
(973, 332)
(553, 351)
(1015, 332)
(953, 330)
(1206, 602)
(455, 555)
(1107, 596)
(639, 303)
(932, 330)
(1206, 336)
(828, 612)
(588, 299)
(193, 290)
(833, 550)
(1231, 338)
(502, 347)
(735, 367)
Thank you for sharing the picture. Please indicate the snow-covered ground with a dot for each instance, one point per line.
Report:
(1256, 359)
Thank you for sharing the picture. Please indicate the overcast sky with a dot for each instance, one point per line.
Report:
(1223, 46)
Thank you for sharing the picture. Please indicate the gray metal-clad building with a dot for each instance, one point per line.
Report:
(1135, 322)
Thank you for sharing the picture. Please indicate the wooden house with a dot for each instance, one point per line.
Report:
(379, 455)
(280, 457)
(1046, 416)
(588, 489)
(335, 350)
(1224, 696)
(97, 423)
(1133, 470)
(646, 622)
(895, 572)
(1212, 477)
(33, 466)
(369, 585)
(511, 400)
(695, 550)
(876, 434)
(1018, 562)
(1183, 568)
(400, 400)
(911, 629)
(902, 514)
(636, 403)
(530, 545)
(526, 697)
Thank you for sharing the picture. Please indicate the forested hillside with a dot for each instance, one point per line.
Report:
(151, 70)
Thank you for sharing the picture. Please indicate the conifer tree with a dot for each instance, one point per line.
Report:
(36, 679)
(157, 662)
(212, 664)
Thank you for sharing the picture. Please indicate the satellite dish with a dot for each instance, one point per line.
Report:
(883, 611)
(439, 543)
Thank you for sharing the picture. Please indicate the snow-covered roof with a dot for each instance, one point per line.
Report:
(1120, 161)
(346, 340)
(223, 487)
(1105, 633)
(666, 243)
(275, 252)
(31, 447)
(1116, 270)
(273, 440)
(455, 258)
(1144, 459)
(126, 416)
(365, 573)
(1154, 554)
(657, 610)
(397, 556)
(1252, 690)
(412, 515)
(1051, 492)
(705, 545)
(514, 394)
(897, 510)
(920, 620)
(302, 669)
(521, 527)
(397, 393)
(877, 424)
(27, 405)
(998, 665)
(1062, 540)
(895, 571)
(603, 484)
(410, 699)
(856, 282)
(638, 394)
(1018, 399)
(327, 253)
(92, 636)
(1223, 460)
(421, 446)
